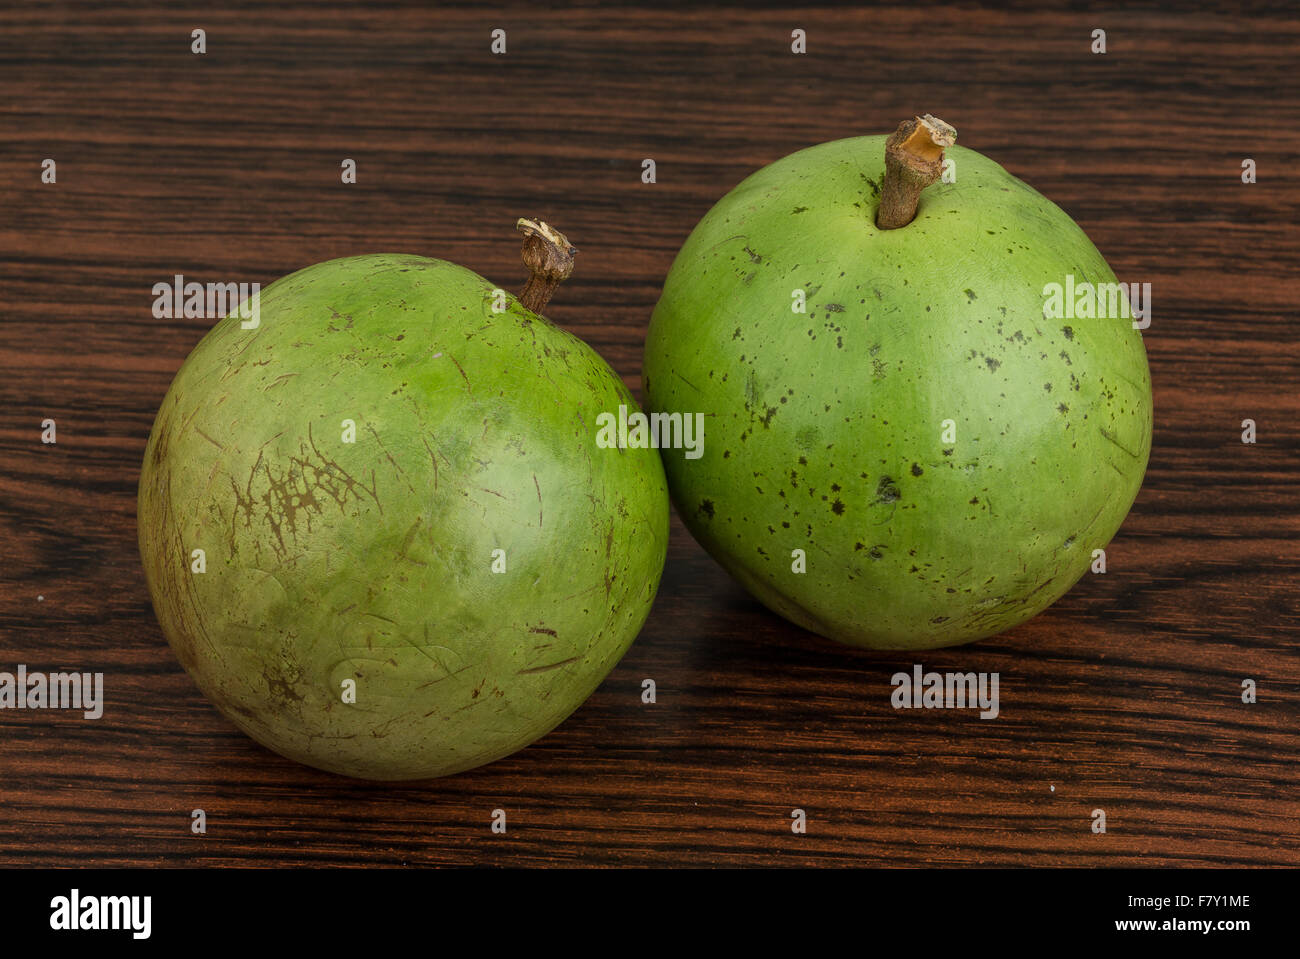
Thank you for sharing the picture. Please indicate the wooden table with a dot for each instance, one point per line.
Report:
(1125, 696)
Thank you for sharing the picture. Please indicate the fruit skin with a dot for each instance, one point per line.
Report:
(371, 561)
(824, 429)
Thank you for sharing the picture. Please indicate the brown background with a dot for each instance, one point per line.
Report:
(1124, 696)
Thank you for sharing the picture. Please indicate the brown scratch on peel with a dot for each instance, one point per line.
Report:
(609, 545)
(441, 678)
(433, 459)
(548, 667)
(686, 381)
(186, 425)
(272, 440)
(397, 466)
(538, 487)
(404, 555)
(209, 439)
(581, 592)
(462, 372)
(1111, 436)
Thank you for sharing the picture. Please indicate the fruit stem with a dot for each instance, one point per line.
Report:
(549, 258)
(913, 160)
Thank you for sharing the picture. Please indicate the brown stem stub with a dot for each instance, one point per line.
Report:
(549, 258)
(913, 160)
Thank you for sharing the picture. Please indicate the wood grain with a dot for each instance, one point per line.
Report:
(1124, 696)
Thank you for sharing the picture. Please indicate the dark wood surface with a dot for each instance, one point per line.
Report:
(1125, 696)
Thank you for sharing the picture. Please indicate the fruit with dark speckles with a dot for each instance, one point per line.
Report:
(355, 613)
(975, 525)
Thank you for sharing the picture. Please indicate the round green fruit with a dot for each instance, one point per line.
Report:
(911, 443)
(415, 559)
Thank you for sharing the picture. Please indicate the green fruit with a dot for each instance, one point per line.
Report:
(827, 430)
(472, 565)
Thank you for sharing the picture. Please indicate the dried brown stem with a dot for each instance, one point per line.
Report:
(549, 258)
(913, 160)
